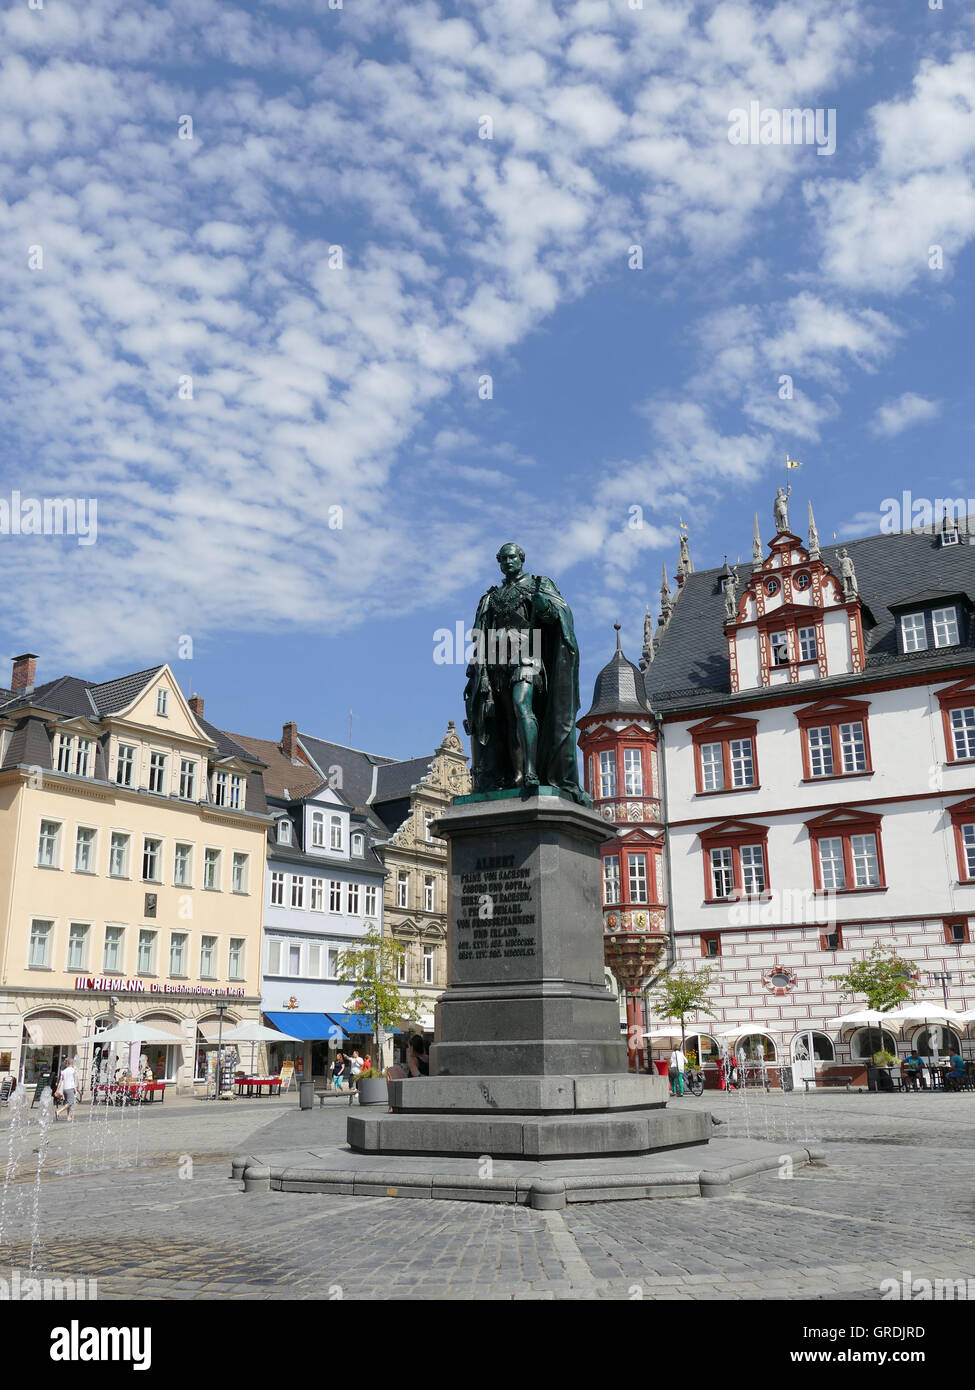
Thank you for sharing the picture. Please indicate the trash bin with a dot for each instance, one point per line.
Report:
(306, 1095)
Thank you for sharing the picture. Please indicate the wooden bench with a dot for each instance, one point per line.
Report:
(808, 1081)
(324, 1095)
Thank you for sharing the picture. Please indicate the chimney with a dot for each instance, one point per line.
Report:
(25, 667)
(289, 741)
(195, 703)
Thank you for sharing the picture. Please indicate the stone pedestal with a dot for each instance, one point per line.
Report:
(528, 1059)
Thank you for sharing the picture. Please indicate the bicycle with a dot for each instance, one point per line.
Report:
(694, 1081)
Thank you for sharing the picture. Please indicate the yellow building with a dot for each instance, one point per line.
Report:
(132, 853)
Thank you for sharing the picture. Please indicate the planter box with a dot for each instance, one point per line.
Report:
(373, 1091)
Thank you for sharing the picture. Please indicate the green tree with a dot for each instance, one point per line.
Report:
(883, 977)
(370, 967)
(684, 992)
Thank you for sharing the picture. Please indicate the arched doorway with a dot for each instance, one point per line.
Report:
(807, 1049)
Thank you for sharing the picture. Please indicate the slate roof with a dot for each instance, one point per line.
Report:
(395, 779)
(619, 689)
(358, 768)
(690, 669)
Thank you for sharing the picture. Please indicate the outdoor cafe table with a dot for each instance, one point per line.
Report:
(257, 1083)
(119, 1093)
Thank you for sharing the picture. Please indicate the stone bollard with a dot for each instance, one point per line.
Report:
(548, 1194)
(257, 1178)
(238, 1165)
(714, 1184)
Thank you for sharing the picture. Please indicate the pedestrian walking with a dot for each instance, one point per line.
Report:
(356, 1065)
(338, 1071)
(678, 1065)
(67, 1089)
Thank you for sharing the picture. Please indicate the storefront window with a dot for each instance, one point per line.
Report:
(756, 1047)
(867, 1041)
(704, 1047)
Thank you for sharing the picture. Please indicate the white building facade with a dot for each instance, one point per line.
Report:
(818, 744)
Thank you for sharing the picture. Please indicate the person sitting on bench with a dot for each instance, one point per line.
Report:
(955, 1075)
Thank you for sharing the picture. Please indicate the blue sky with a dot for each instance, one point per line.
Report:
(314, 386)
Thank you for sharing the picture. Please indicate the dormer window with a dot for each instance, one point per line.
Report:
(318, 829)
(358, 845)
(937, 627)
(162, 701)
(949, 530)
(335, 832)
(284, 832)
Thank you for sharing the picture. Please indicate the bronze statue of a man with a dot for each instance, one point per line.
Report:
(522, 693)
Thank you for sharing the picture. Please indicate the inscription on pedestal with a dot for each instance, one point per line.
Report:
(496, 920)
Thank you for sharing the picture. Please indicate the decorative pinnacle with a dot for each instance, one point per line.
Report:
(617, 627)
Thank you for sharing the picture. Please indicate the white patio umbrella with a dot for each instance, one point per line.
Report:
(132, 1031)
(861, 1018)
(925, 1011)
(255, 1033)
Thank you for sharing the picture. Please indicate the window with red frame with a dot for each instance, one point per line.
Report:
(831, 940)
(724, 755)
(956, 931)
(711, 944)
(735, 862)
(958, 717)
(847, 852)
(835, 739)
(963, 821)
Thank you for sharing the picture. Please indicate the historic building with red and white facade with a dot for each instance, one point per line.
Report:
(812, 718)
(618, 740)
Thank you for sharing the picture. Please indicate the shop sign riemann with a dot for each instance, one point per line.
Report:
(141, 987)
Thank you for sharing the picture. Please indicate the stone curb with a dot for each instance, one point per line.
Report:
(541, 1193)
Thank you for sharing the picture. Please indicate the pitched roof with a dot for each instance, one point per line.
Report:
(358, 769)
(66, 695)
(226, 743)
(111, 696)
(691, 665)
(291, 781)
(395, 780)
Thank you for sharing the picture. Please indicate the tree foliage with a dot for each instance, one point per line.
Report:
(684, 992)
(883, 977)
(371, 968)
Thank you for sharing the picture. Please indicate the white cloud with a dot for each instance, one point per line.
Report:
(908, 409)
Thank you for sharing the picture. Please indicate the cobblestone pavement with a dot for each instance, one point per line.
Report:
(145, 1206)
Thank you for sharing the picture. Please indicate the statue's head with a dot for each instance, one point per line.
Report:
(510, 557)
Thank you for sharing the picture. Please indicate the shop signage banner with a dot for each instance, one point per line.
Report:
(151, 987)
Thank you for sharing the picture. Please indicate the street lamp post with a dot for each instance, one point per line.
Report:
(943, 978)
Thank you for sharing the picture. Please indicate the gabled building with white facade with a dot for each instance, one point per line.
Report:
(817, 736)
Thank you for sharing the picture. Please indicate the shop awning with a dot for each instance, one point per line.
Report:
(360, 1024)
(308, 1027)
(52, 1031)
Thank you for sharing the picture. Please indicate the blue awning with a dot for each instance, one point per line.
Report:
(361, 1024)
(309, 1027)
